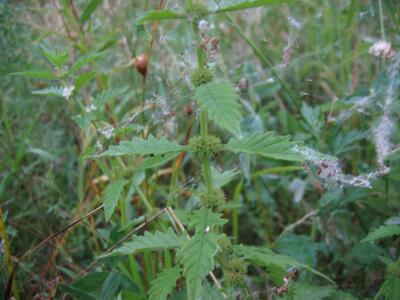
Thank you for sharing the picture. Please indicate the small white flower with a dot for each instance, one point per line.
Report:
(107, 131)
(67, 91)
(382, 49)
(203, 26)
(294, 22)
(90, 108)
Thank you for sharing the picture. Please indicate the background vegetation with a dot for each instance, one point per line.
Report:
(301, 68)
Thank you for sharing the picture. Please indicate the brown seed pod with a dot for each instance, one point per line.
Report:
(140, 63)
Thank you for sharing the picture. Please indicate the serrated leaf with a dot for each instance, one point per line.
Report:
(221, 102)
(390, 289)
(84, 121)
(52, 91)
(313, 120)
(197, 257)
(36, 74)
(89, 9)
(139, 146)
(112, 194)
(276, 264)
(149, 241)
(382, 232)
(250, 4)
(164, 283)
(310, 292)
(222, 179)
(265, 144)
(203, 218)
(107, 95)
(83, 60)
(83, 78)
(57, 59)
(157, 160)
(157, 15)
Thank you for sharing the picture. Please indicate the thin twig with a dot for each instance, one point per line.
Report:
(297, 223)
(136, 229)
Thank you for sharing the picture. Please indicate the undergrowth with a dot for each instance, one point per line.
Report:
(238, 150)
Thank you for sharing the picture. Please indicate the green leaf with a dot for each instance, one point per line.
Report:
(310, 292)
(390, 289)
(276, 264)
(52, 91)
(313, 120)
(77, 293)
(36, 74)
(89, 9)
(83, 78)
(265, 144)
(221, 102)
(107, 95)
(203, 218)
(149, 241)
(222, 179)
(57, 59)
(250, 4)
(139, 146)
(157, 160)
(164, 284)
(85, 59)
(382, 232)
(84, 121)
(156, 15)
(197, 257)
(112, 194)
(110, 286)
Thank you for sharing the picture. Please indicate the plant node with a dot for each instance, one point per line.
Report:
(201, 76)
(204, 150)
(199, 10)
(214, 199)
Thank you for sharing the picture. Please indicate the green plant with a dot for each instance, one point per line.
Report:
(185, 250)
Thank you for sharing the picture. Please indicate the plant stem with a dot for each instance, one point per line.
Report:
(203, 115)
(381, 20)
(265, 60)
(7, 254)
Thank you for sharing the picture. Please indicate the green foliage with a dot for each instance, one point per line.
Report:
(203, 218)
(90, 8)
(139, 146)
(57, 59)
(300, 291)
(112, 194)
(265, 144)
(312, 215)
(36, 74)
(150, 241)
(157, 15)
(197, 257)
(163, 285)
(53, 91)
(250, 4)
(221, 103)
(382, 232)
(84, 60)
(276, 264)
